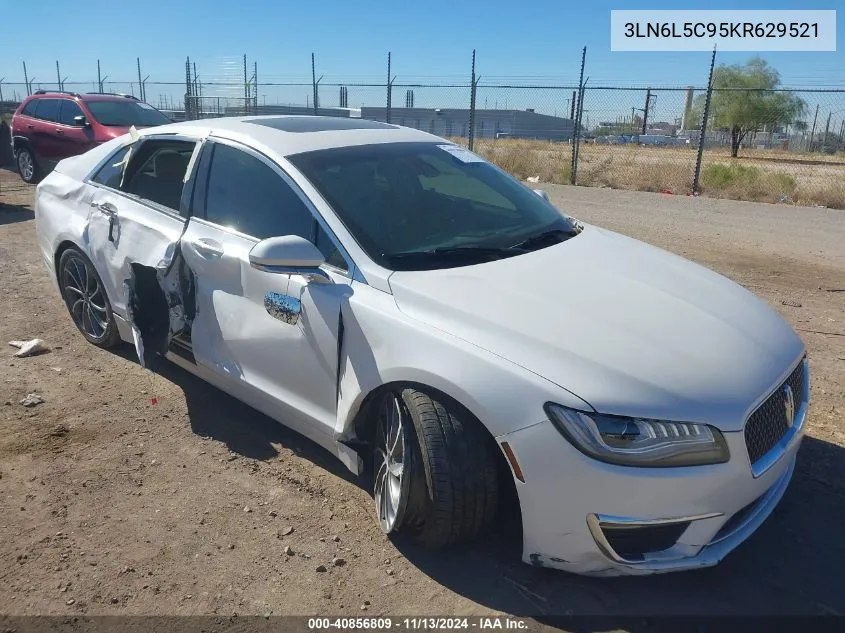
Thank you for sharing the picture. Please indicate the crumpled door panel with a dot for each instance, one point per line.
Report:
(159, 305)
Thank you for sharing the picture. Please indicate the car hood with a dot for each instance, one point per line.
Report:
(627, 327)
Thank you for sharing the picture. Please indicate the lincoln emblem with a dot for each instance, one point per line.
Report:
(789, 404)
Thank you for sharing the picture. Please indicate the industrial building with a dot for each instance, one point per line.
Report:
(488, 123)
(447, 122)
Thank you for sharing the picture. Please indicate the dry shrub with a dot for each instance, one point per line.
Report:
(746, 182)
(632, 168)
(831, 195)
(596, 173)
(665, 169)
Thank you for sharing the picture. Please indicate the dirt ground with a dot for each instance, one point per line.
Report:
(132, 493)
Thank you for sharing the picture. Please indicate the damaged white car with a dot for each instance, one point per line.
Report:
(420, 313)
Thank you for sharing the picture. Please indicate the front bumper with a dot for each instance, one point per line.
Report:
(572, 504)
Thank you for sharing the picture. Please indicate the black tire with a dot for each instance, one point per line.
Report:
(25, 156)
(453, 491)
(86, 299)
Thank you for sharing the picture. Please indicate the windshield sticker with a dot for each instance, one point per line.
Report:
(146, 106)
(463, 155)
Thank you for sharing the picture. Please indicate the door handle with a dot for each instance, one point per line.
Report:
(208, 248)
(110, 211)
(29, 126)
(106, 208)
(58, 131)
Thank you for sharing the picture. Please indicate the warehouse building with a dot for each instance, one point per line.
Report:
(446, 122)
(488, 123)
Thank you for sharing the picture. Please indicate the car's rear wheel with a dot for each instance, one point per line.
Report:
(27, 167)
(435, 474)
(86, 300)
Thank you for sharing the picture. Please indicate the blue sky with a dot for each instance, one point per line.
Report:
(537, 41)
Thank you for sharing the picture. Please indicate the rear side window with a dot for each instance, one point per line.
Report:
(48, 109)
(156, 172)
(109, 173)
(29, 108)
(68, 111)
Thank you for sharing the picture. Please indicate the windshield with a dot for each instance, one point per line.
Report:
(126, 113)
(418, 206)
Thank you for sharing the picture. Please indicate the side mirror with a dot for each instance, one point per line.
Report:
(289, 255)
(543, 195)
(81, 121)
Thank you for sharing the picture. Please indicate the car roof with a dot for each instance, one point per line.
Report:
(294, 134)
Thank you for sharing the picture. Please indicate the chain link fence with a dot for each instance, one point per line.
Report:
(781, 145)
(790, 147)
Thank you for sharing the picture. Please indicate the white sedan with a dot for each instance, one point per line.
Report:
(428, 319)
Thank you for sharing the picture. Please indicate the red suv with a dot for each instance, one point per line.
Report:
(49, 126)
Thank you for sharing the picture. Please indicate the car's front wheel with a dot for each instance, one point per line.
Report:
(435, 474)
(86, 300)
(27, 167)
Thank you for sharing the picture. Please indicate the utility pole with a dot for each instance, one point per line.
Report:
(826, 130)
(577, 122)
(314, 83)
(696, 183)
(246, 86)
(473, 95)
(190, 103)
(645, 110)
(813, 131)
(389, 92)
(26, 80)
(142, 82)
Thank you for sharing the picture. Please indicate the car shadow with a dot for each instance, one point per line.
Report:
(242, 429)
(7, 159)
(12, 213)
(791, 566)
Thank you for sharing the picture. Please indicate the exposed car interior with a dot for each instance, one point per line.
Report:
(159, 178)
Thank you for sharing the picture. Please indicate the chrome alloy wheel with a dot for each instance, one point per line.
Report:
(85, 297)
(392, 462)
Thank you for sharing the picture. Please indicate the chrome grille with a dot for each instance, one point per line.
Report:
(769, 422)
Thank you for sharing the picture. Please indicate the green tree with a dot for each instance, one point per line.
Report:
(745, 99)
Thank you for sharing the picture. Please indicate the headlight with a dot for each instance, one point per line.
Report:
(638, 441)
